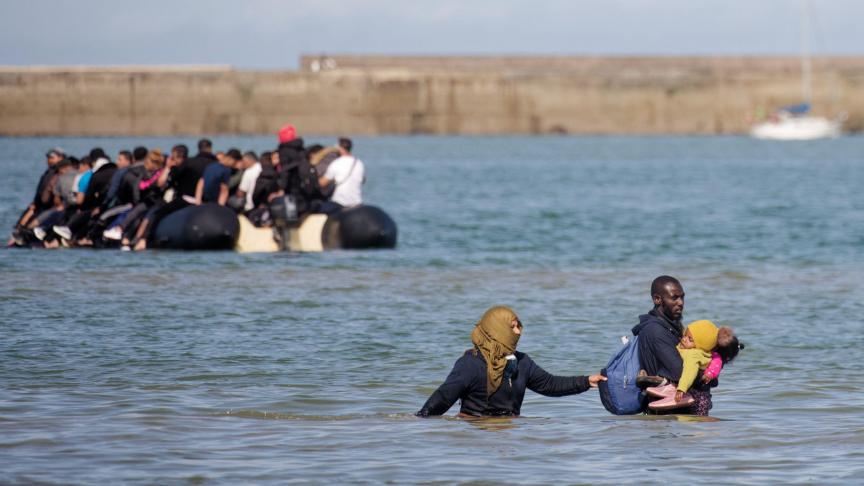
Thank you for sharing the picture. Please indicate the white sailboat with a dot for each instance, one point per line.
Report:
(794, 122)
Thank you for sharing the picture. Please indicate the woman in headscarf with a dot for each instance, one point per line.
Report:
(491, 378)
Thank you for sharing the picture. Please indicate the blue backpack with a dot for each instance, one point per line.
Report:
(619, 393)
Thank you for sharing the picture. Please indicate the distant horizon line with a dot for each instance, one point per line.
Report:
(223, 67)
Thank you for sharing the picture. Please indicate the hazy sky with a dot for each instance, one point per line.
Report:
(272, 33)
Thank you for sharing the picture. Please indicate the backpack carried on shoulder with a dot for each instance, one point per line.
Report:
(619, 392)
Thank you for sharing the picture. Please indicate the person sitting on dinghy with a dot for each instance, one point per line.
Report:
(347, 175)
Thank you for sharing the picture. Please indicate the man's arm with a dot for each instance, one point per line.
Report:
(199, 191)
(223, 194)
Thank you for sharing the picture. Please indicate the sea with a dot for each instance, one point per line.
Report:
(169, 367)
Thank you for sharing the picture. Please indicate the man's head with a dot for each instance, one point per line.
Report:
(124, 159)
(345, 145)
(205, 146)
(249, 159)
(668, 296)
(53, 156)
(64, 166)
(234, 157)
(98, 153)
(314, 149)
(179, 153)
(139, 154)
(85, 164)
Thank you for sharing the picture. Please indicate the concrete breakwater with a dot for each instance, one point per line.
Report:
(371, 95)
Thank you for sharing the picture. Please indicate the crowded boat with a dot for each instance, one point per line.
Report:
(294, 197)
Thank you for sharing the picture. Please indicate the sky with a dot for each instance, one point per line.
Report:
(272, 34)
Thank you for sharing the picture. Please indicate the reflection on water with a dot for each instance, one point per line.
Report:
(169, 367)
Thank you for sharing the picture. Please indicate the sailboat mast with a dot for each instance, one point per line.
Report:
(806, 67)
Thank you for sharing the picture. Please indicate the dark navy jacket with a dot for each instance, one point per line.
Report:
(467, 382)
(658, 356)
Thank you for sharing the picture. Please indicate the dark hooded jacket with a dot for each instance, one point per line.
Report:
(298, 177)
(467, 382)
(98, 187)
(658, 355)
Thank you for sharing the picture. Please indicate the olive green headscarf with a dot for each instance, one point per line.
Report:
(494, 338)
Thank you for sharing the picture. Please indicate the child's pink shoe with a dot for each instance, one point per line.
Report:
(661, 391)
(669, 403)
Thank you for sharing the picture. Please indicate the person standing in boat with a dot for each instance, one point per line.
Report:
(347, 175)
(491, 378)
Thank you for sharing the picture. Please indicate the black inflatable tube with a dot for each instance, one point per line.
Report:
(361, 227)
(205, 227)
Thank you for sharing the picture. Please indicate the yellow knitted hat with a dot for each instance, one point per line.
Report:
(704, 334)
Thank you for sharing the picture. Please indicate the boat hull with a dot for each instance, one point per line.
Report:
(797, 128)
(362, 227)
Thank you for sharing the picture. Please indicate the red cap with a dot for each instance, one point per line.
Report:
(287, 133)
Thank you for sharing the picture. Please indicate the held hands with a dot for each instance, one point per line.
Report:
(593, 380)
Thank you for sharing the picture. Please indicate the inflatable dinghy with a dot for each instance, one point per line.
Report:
(205, 227)
(213, 227)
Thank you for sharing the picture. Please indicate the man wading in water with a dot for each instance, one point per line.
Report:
(659, 332)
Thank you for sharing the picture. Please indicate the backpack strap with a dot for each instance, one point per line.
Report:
(354, 164)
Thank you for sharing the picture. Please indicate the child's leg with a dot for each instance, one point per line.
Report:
(701, 402)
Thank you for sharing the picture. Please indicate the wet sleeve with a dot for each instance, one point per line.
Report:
(453, 388)
(544, 383)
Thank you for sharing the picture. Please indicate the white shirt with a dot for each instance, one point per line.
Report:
(348, 178)
(247, 183)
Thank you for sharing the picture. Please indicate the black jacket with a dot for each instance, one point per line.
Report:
(128, 192)
(298, 177)
(658, 337)
(185, 176)
(98, 187)
(467, 382)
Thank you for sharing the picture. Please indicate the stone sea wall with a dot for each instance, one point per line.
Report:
(369, 95)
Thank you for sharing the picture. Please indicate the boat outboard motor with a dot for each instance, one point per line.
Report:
(205, 227)
(283, 212)
(359, 227)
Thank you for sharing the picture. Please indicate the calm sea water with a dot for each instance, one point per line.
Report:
(174, 368)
